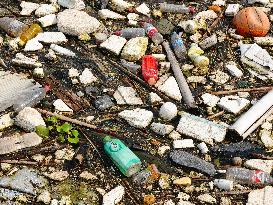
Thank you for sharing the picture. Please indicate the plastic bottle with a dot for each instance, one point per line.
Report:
(12, 26)
(147, 176)
(149, 69)
(195, 54)
(30, 33)
(129, 33)
(176, 8)
(134, 68)
(127, 162)
(250, 177)
(178, 45)
(29, 98)
(153, 33)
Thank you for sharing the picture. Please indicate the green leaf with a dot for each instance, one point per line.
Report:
(66, 127)
(61, 138)
(75, 133)
(52, 119)
(59, 128)
(42, 131)
(73, 140)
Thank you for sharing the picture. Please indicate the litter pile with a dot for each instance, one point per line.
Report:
(146, 102)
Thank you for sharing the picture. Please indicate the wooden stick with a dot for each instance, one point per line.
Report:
(216, 115)
(23, 162)
(225, 92)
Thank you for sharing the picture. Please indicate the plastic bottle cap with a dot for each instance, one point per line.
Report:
(117, 33)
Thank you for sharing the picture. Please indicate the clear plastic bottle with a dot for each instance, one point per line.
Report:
(12, 26)
(129, 33)
(30, 33)
(178, 45)
(176, 8)
(147, 176)
(153, 33)
(29, 98)
(250, 177)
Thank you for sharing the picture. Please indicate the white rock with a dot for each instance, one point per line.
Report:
(48, 20)
(28, 8)
(264, 165)
(5, 167)
(261, 196)
(169, 202)
(209, 99)
(154, 98)
(161, 129)
(127, 95)
(29, 118)
(267, 125)
(114, 196)
(64, 154)
(6, 121)
(54, 202)
(65, 200)
(168, 111)
(206, 198)
(51, 37)
(232, 9)
(206, 15)
(203, 147)
(44, 197)
(264, 41)
(223, 184)
(183, 196)
(114, 44)
(62, 50)
(38, 72)
(120, 5)
(243, 94)
(264, 2)
(61, 106)
(23, 60)
(196, 79)
(143, 9)
(161, 150)
(108, 14)
(87, 175)
(45, 9)
(233, 69)
(38, 157)
(139, 118)
(175, 135)
(87, 77)
(74, 22)
(266, 138)
(159, 56)
(219, 3)
(133, 17)
(169, 86)
(58, 175)
(233, 104)
(219, 77)
(185, 143)
(72, 4)
(33, 45)
(72, 72)
(135, 49)
(51, 55)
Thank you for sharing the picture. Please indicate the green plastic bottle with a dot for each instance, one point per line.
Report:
(127, 162)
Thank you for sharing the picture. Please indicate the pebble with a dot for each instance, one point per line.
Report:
(183, 196)
(149, 199)
(264, 165)
(5, 167)
(219, 3)
(225, 201)
(48, 20)
(127, 95)
(58, 175)
(233, 69)
(88, 176)
(38, 157)
(233, 104)
(264, 2)
(264, 41)
(237, 161)
(74, 22)
(62, 50)
(210, 100)
(261, 196)
(206, 198)
(72, 72)
(61, 106)
(133, 18)
(153, 98)
(243, 94)
(161, 129)
(51, 55)
(51, 37)
(45, 9)
(24, 61)
(54, 202)
(184, 181)
(103, 102)
(168, 111)
(6, 121)
(139, 118)
(267, 125)
(185, 143)
(223, 184)
(197, 79)
(161, 150)
(169, 202)
(108, 14)
(120, 5)
(266, 138)
(33, 45)
(29, 118)
(114, 196)
(219, 77)
(232, 9)
(175, 135)
(72, 4)
(44, 197)
(114, 44)
(65, 154)
(28, 8)
(143, 9)
(164, 181)
(169, 86)
(38, 73)
(135, 49)
(87, 77)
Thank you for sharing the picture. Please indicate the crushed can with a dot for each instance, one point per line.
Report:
(127, 162)
(149, 69)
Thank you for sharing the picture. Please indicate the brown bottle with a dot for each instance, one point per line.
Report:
(30, 33)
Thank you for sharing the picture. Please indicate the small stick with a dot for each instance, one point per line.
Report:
(215, 23)
(216, 115)
(225, 92)
(23, 162)
(234, 192)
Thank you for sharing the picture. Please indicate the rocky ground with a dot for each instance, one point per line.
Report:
(183, 150)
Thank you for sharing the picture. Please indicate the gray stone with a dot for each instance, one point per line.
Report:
(48, 20)
(154, 98)
(108, 14)
(164, 26)
(233, 69)
(74, 22)
(139, 118)
(8, 194)
(22, 60)
(28, 8)
(45, 9)
(87, 77)
(135, 49)
(161, 129)
(209, 99)
(114, 44)
(44, 197)
(264, 165)
(61, 50)
(190, 161)
(127, 95)
(51, 37)
(72, 4)
(261, 196)
(168, 111)
(219, 77)
(206, 198)
(25, 180)
(104, 102)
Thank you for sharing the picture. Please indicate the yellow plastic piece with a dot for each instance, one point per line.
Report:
(30, 33)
